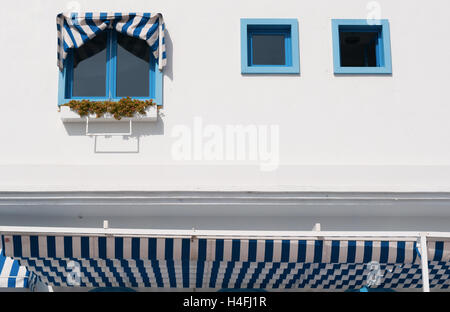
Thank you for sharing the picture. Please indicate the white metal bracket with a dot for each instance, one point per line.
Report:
(108, 134)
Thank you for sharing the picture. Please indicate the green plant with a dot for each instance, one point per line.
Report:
(125, 107)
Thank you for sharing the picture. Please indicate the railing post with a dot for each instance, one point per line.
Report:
(424, 260)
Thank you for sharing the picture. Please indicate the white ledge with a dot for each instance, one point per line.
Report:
(313, 235)
(68, 115)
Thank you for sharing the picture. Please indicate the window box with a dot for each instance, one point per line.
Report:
(360, 47)
(68, 115)
(269, 46)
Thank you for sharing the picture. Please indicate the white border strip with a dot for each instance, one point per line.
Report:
(360, 235)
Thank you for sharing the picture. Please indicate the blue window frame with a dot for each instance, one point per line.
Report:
(360, 47)
(269, 46)
(66, 77)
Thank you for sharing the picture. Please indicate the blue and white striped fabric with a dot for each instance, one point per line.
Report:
(12, 275)
(226, 263)
(182, 249)
(75, 29)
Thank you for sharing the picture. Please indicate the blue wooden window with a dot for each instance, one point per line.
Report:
(361, 47)
(109, 67)
(269, 46)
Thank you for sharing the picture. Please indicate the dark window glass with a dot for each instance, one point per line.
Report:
(133, 65)
(89, 68)
(268, 50)
(358, 49)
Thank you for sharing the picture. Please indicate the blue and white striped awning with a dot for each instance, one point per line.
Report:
(75, 29)
(12, 275)
(226, 263)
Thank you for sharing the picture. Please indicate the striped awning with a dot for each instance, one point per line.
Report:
(227, 263)
(12, 275)
(75, 29)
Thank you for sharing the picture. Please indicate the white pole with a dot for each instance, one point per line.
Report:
(424, 259)
(316, 227)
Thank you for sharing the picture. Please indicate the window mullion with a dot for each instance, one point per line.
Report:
(111, 64)
(108, 58)
(69, 73)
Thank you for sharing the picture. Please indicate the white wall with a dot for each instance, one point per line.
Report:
(228, 210)
(336, 132)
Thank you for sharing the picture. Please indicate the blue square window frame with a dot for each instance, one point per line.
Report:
(284, 26)
(65, 81)
(384, 58)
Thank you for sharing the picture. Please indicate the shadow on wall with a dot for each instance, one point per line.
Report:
(168, 70)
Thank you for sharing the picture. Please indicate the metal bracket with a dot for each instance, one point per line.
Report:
(108, 134)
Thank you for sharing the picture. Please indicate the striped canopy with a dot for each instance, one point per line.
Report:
(226, 263)
(12, 275)
(75, 29)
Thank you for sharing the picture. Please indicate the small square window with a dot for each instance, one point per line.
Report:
(361, 48)
(268, 49)
(358, 49)
(269, 46)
